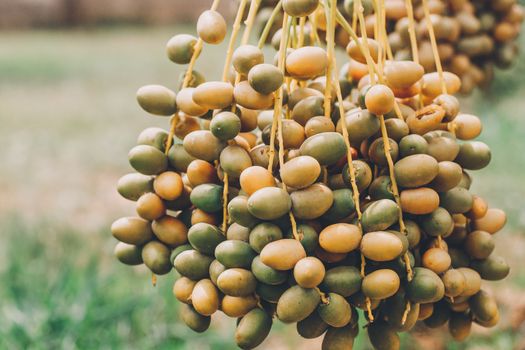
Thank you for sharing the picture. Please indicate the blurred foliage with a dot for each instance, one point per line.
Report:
(60, 292)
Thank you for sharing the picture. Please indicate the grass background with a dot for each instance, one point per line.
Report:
(68, 118)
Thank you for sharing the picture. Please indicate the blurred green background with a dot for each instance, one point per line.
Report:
(68, 117)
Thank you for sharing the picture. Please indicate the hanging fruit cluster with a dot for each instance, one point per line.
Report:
(291, 190)
(473, 36)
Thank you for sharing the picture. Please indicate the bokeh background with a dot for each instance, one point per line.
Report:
(69, 70)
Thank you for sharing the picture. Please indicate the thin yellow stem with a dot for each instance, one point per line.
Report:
(280, 152)
(196, 52)
(452, 127)
(215, 5)
(295, 35)
(364, 51)
(330, 46)
(433, 42)
(233, 38)
(395, 190)
(225, 204)
(277, 116)
(380, 15)
(269, 24)
(397, 110)
(315, 33)
(324, 298)
(153, 280)
(386, 143)
(368, 303)
(362, 26)
(277, 108)
(351, 169)
(378, 36)
(259, 304)
(302, 22)
(408, 268)
(412, 30)
(254, 7)
(294, 226)
(413, 39)
(229, 53)
(363, 265)
(388, 51)
(383, 34)
(187, 77)
(377, 22)
(354, 17)
(346, 137)
(440, 242)
(331, 20)
(405, 314)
